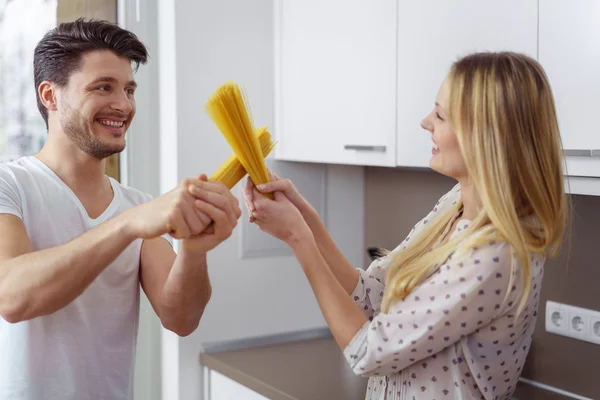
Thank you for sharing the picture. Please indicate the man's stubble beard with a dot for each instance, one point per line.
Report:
(81, 133)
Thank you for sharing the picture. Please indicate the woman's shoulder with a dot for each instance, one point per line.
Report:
(449, 199)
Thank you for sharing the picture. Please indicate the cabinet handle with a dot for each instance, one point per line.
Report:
(581, 153)
(364, 148)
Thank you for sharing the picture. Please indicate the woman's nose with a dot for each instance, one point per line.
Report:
(426, 124)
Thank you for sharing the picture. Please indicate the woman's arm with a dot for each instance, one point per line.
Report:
(344, 272)
(343, 316)
(467, 293)
(364, 287)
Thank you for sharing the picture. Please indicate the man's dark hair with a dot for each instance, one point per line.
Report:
(59, 52)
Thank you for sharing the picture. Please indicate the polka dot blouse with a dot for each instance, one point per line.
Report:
(456, 336)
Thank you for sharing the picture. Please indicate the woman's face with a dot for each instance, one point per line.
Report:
(446, 156)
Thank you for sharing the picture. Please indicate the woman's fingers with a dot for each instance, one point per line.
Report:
(258, 199)
(273, 176)
(283, 185)
(249, 193)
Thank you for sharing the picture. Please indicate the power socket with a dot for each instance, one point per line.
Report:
(556, 318)
(574, 322)
(595, 328)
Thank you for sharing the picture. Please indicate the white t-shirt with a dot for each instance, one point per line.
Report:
(85, 350)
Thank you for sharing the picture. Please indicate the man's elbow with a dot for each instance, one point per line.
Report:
(184, 328)
(187, 324)
(11, 311)
(11, 317)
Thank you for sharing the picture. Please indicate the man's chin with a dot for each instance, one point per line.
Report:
(103, 152)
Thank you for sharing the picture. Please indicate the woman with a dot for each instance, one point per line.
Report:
(451, 311)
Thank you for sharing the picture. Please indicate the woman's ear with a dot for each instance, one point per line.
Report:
(47, 94)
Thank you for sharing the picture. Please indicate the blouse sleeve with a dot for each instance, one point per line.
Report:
(466, 293)
(368, 292)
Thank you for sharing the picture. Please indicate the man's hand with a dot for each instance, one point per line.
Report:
(186, 212)
(215, 201)
(178, 286)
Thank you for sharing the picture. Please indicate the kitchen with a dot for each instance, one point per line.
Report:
(374, 69)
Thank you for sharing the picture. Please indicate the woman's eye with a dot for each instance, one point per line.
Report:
(438, 116)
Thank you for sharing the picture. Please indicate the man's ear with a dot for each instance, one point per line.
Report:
(47, 93)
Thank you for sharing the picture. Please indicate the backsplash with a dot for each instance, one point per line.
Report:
(396, 199)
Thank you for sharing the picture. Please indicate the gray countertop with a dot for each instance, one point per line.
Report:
(311, 369)
(301, 366)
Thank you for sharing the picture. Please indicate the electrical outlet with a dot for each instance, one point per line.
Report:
(556, 318)
(578, 323)
(574, 322)
(594, 330)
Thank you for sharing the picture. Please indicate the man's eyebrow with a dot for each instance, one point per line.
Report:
(111, 79)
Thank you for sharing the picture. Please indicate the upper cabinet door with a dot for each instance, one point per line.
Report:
(570, 54)
(432, 35)
(336, 81)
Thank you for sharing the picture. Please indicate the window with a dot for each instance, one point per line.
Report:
(22, 25)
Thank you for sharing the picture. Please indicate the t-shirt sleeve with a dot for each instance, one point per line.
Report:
(10, 197)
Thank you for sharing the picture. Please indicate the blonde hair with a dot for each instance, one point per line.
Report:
(502, 111)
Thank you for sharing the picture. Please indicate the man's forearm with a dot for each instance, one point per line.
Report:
(186, 292)
(341, 268)
(42, 282)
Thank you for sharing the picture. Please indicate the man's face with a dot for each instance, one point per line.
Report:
(97, 105)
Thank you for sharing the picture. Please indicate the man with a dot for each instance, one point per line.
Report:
(76, 244)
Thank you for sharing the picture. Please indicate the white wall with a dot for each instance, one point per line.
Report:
(202, 45)
(140, 168)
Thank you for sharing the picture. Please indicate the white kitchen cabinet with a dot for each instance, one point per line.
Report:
(221, 387)
(336, 81)
(432, 35)
(569, 51)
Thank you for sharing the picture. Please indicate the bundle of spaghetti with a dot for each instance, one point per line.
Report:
(232, 170)
(230, 111)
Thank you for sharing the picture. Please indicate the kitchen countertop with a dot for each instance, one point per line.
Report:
(302, 366)
(311, 369)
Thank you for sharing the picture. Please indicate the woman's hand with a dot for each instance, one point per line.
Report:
(276, 184)
(279, 217)
(287, 218)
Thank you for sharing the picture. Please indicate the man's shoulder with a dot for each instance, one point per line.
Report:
(16, 164)
(12, 171)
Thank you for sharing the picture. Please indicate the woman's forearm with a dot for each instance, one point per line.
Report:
(342, 315)
(345, 273)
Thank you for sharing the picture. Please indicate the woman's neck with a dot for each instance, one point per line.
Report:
(470, 204)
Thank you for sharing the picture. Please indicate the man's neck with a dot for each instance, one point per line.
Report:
(80, 171)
